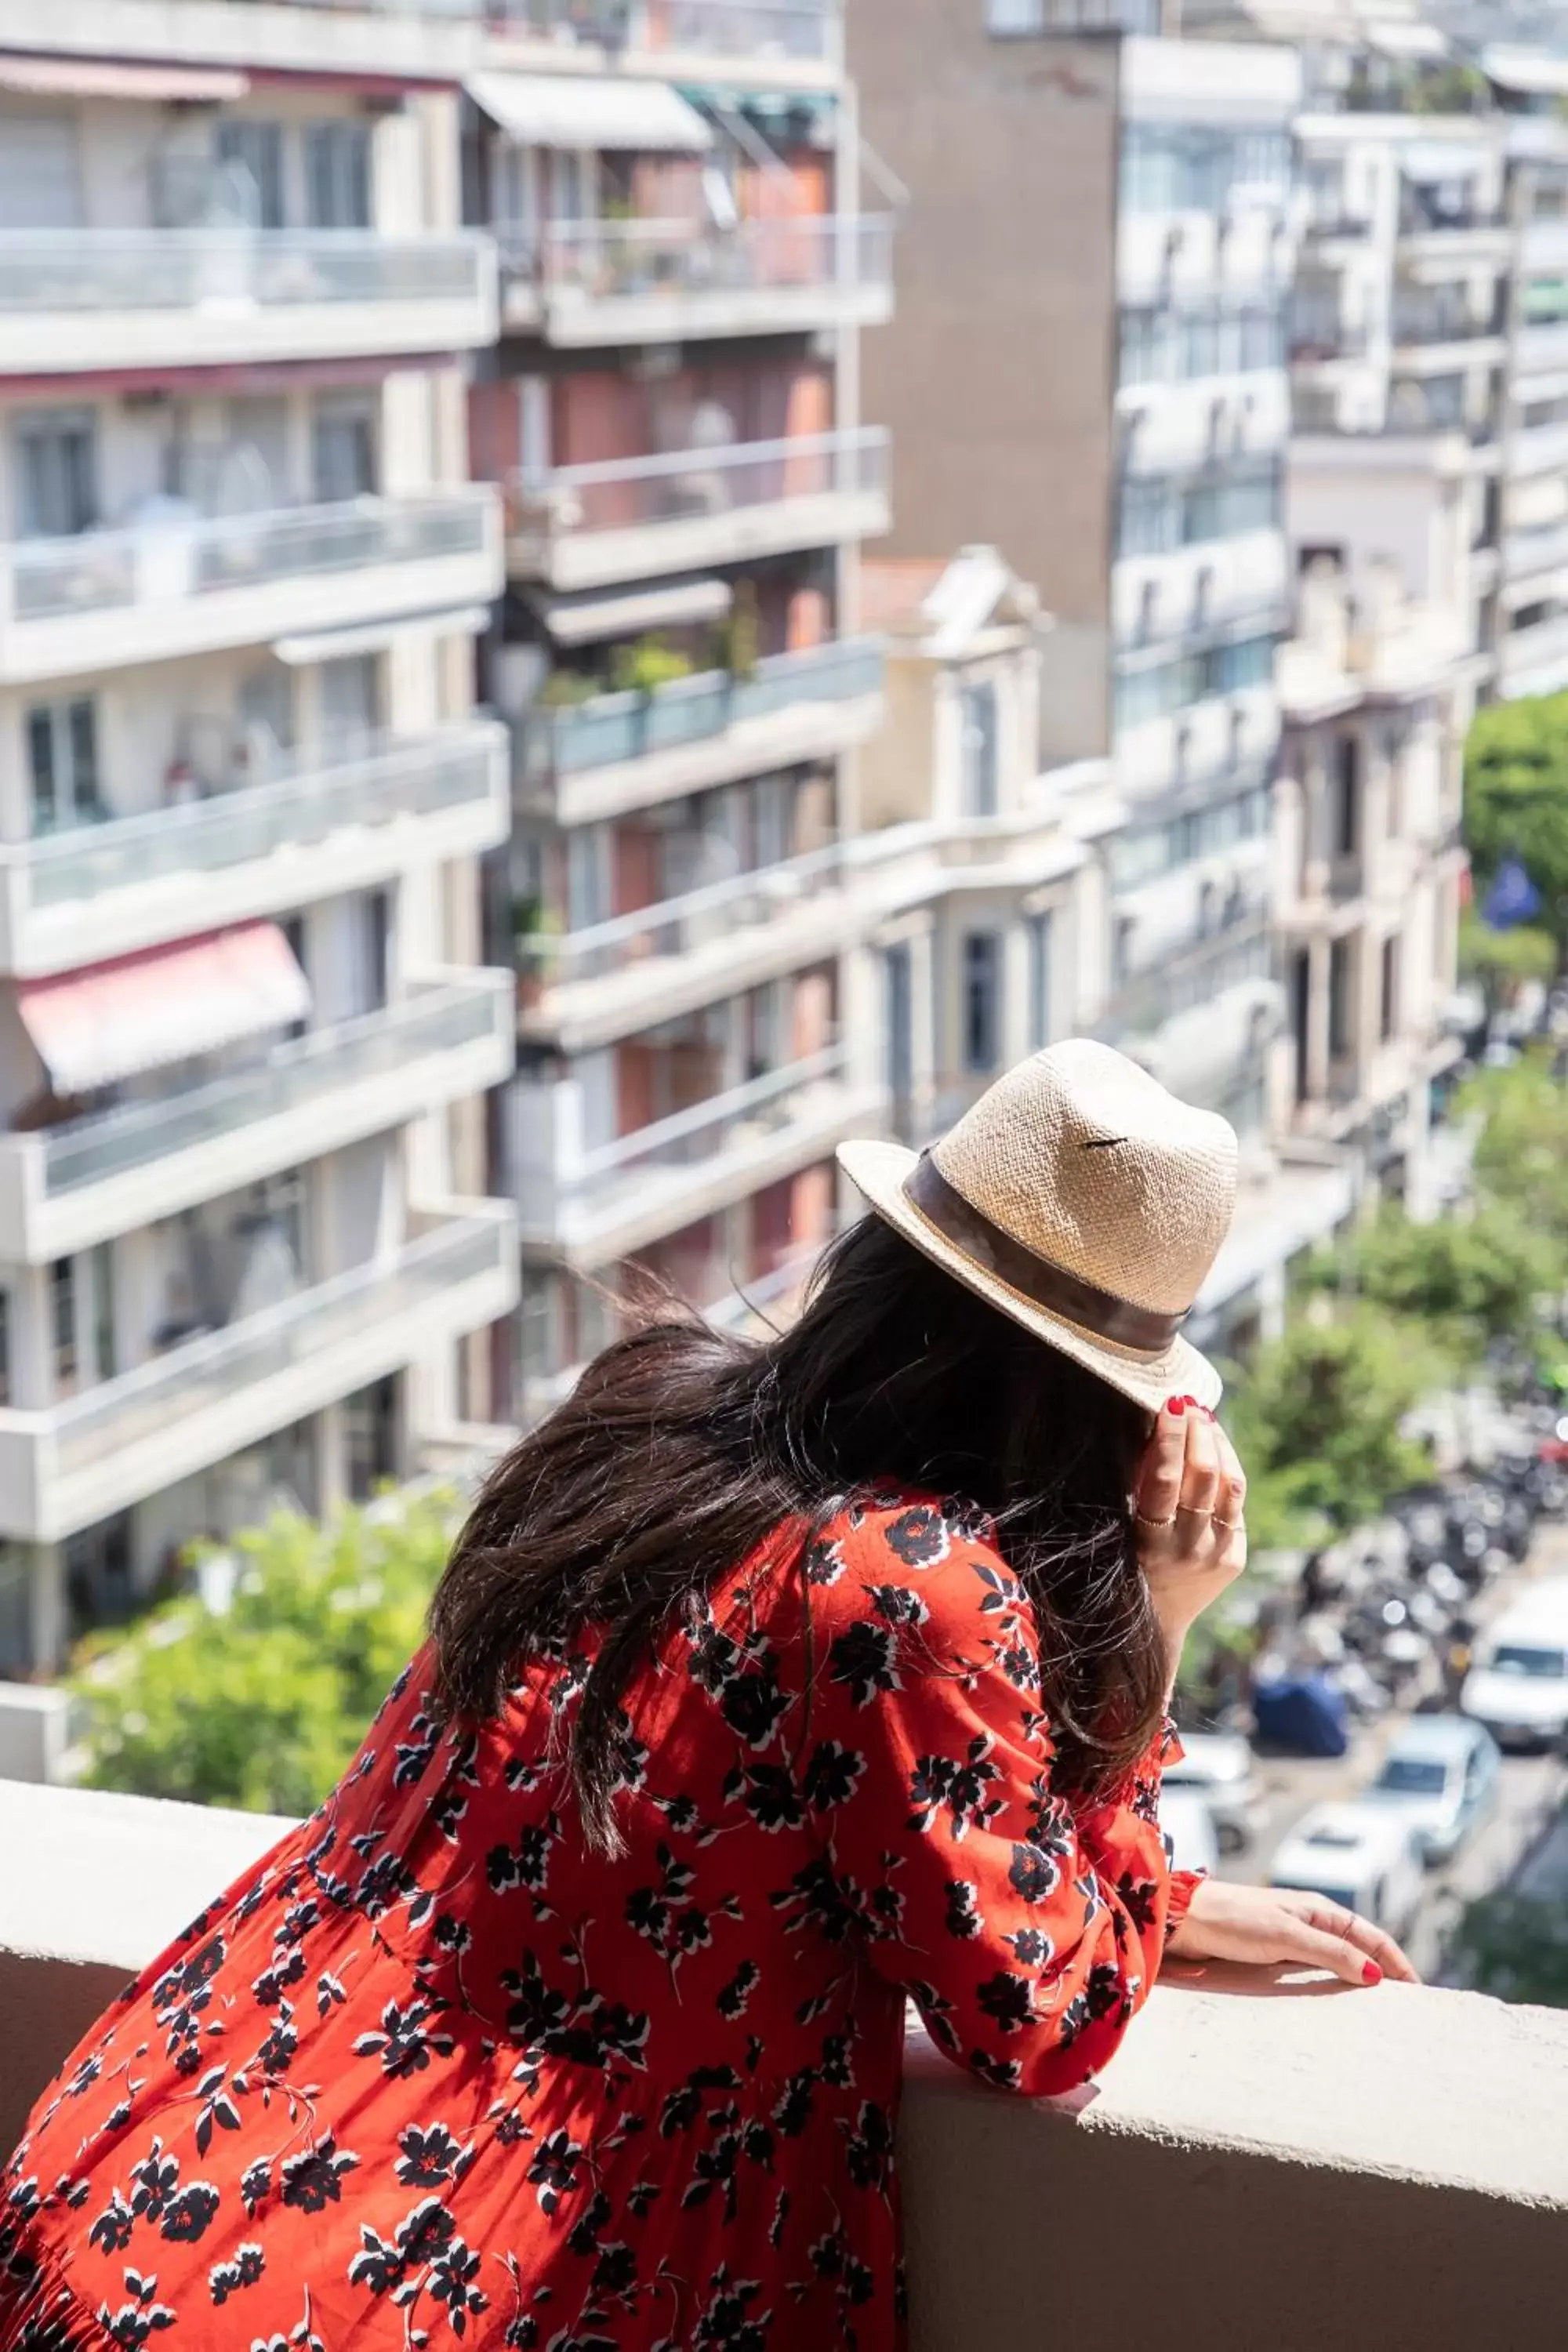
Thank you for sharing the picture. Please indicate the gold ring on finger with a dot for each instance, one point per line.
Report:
(1155, 1527)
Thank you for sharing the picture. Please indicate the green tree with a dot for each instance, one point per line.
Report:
(1317, 1424)
(1501, 962)
(1521, 1151)
(1512, 1946)
(262, 1706)
(1516, 799)
(1469, 1279)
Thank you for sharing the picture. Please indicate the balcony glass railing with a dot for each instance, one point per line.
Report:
(437, 1020)
(693, 484)
(418, 776)
(729, 28)
(679, 927)
(617, 727)
(183, 269)
(172, 558)
(1422, 329)
(1542, 550)
(607, 260)
(1238, 949)
(698, 1137)
(138, 1405)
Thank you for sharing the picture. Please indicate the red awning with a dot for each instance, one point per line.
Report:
(143, 1011)
(106, 77)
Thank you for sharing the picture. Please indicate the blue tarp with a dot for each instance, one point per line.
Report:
(1306, 1716)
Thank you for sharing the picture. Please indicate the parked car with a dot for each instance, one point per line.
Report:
(1518, 1687)
(1358, 1854)
(1220, 1767)
(1441, 1777)
(1189, 1828)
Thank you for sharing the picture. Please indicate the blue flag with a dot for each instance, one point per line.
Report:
(1512, 899)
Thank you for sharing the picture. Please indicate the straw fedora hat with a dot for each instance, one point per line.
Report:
(1083, 1200)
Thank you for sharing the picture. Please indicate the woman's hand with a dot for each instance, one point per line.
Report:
(1187, 1504)
(1265, 1925)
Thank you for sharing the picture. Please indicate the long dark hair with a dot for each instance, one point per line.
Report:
(682, 1448)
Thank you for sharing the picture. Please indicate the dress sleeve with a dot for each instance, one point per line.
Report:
(1028, 1935)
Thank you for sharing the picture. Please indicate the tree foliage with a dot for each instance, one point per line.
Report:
(1502, 961)
(1521, 1154)
(1514, 1946)
(1516, 799)
(262, 1706)
(1471, 1279)
(1317, 1422)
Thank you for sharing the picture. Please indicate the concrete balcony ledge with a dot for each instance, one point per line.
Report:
(1299, 2167)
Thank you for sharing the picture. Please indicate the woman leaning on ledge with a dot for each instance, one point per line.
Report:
(768, 1685)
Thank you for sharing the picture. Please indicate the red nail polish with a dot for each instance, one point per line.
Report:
(1175, 1407)
(1372, 1973)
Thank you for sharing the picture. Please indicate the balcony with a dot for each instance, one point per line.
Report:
(178, 583)
(638, 281)
(1535, 658)
(1527, 553)
(598, 759)
(386, 40)
(66, 1467)
(1235, 950)
(1295, 2129)
(1201, 625)
(1425, 343)
(768, 44)
(589, 1206)
(65, 1187)
(139, 881)
(632, 518)
(597, 983)
(75, 299)
(1325, 342)
(1539, 448)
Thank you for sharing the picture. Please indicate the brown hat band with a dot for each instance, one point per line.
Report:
(1042, 1284)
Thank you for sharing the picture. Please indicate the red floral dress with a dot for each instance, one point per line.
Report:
(431, 2072)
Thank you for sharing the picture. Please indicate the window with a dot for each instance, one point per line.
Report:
(337, 174)
(62, 764)
(15, 1611)
(5, 1346)
(1040, 927)
(343, 450)
(374, 935)
(253, 154)
(982, 1009)
(105, 1352)
(1388, 989)
(1339, 998)
(62, 1324)
(370, 1438)
(350, 695)
(978, 709)
(57, 474)
(898, 965)
(1347, 796)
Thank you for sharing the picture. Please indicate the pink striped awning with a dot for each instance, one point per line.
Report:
(143, 1011)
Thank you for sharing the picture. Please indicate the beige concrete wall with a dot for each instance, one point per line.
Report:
(998, 375)
(1262, 2168)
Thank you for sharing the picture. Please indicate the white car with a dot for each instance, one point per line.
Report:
(1518, 1687)
(1362, 1855)
(1220, 1767)
(1189, 1828)
(1441, 1775)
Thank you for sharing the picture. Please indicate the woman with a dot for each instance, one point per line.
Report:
(767, 1685)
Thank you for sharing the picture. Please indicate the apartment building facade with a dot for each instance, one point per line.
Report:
(672, 416)
(1088, 365)
(245, 1031)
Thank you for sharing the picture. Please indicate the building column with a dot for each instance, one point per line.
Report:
(1318, 1020)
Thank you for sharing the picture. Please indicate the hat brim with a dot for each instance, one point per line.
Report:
(878, 1171)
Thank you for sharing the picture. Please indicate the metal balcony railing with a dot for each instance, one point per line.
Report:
(730, 28)
(434, 1020)
(180, 270)
(409, 776)
(612, 728)
(120, 1413)
(689, 484)
(175, 557)
(760, 1106)
(603, 260)
(678, 926)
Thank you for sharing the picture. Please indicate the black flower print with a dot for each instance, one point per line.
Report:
(919, 1537)
(965, 1788)
(312, 2179)
(963, 1908)
(226, 2279)
(189, 2212)
(831, 1772)
(824, 1560)
(896, 1604)
(429, 2155)
(1032, 1875)
(406, 2039)
(865, 1658)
